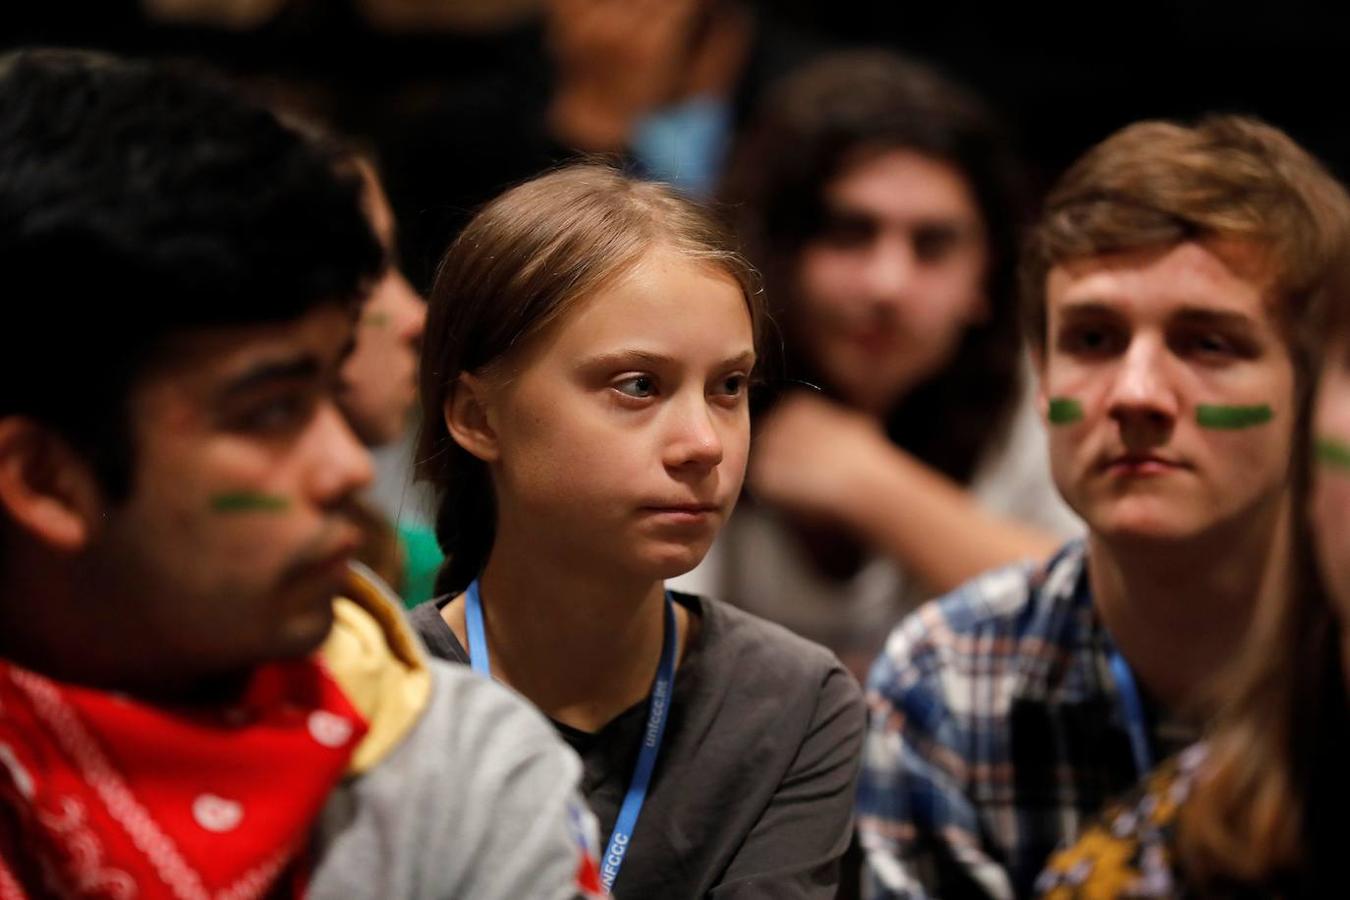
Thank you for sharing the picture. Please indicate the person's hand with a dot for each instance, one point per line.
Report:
(813, 457)
(616, 61)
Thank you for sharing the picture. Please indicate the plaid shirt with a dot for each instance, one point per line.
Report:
(995, 729)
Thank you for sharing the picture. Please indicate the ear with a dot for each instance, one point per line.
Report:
(46, 488)
(468, 417)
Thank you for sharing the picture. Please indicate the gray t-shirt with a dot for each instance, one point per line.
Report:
(478, 801)
(752, 795)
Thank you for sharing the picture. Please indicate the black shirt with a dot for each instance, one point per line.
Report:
(752, 795)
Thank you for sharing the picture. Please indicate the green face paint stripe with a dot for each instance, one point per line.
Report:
(244, 501)
(1230, 417)
(1064, 411)
(376, 320)
(1333, 453)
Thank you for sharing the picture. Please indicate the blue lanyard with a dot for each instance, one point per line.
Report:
(657, 713)
(1136, 725)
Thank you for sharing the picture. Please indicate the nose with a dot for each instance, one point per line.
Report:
(410, 310)
(889, 271)
(1143, 402)
(339, 464)
(695, 440)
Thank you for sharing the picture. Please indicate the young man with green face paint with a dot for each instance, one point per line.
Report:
(197, 691)
(1162, 285)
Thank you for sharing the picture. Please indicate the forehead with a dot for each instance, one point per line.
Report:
(666, 297)
(202, 367)
(1221, 276)
(376, 204)
(902, 185)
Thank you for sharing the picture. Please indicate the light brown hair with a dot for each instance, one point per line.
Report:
(517, 267)
(1269, 803)
(1160, 183)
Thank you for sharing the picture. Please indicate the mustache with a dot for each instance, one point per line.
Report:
(349, 526)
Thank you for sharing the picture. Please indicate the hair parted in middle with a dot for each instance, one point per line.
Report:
(834, 114)
(520, 264)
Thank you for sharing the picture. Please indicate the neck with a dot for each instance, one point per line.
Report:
(582, 648)
(1179, 611)
(56, 622)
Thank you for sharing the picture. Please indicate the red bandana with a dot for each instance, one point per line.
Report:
(103, 796)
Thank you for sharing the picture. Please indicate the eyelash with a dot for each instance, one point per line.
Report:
(1221, 347)
(1074, 340)
(278, 414)
(731, 386)
(633, 380)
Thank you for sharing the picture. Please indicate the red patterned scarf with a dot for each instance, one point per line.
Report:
(104, 796)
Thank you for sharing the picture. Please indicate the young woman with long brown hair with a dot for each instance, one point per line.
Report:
(588, 353)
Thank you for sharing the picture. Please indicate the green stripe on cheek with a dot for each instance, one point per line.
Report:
(1064, 411)
(1332, 453)
(247, 501)
(1228, 418)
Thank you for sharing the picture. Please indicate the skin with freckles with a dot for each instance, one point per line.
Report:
(1145, 342)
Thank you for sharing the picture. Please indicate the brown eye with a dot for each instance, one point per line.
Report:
(933, 243)
(1090, 340)
(639, 387)
(733, 385)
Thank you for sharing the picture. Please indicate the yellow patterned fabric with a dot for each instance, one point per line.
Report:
(379, 663)
(1129, 852)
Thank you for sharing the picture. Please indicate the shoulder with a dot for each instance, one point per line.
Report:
(480, 779)
(769, 665)
(469, 724)
(1131, 849)
(987, 624)
(436, 635)
(746, 641)
(485, 725)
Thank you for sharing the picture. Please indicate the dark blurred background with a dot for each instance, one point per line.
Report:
(443, 91)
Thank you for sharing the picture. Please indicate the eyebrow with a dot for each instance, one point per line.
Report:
(654, 360)
(843, 209)
(1215, 318)
(303, 368)
(1188, 315)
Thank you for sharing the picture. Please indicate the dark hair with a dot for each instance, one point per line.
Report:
(138, 202)
(830, 116)
(515, 269)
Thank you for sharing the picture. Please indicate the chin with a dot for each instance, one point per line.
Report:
(1139, 522)
(302, 634)
(672, 562)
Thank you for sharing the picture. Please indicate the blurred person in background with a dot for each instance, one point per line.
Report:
(659, 86)
(377, 392)
(882, 204)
